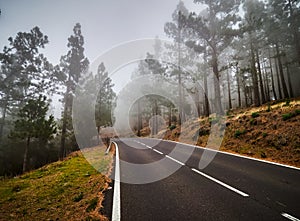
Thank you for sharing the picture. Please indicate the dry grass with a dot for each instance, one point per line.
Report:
(270, 132)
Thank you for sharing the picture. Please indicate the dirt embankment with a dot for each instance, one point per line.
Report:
(270, 132)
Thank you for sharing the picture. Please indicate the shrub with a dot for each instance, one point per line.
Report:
(172, 127)
(263, 155)
(287, 116)
(238, 133)
(255, 114)
(264, 134)
(203, 132)
(253, 121)
(287, 103)
(78, 197)
(92, 205)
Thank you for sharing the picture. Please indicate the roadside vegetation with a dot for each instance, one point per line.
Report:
(66, 190)
(270, 132)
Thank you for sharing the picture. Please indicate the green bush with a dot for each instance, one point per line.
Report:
(238, 133)
(287, 102)
(78, 197)
(287, 116)
(92, 205)
(263, 155)
(253, 121)
(264, 134)
(255, 114)
(290, 115)
(172, 127)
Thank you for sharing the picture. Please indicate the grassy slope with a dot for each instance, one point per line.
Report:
(65, 190)
(265, 135)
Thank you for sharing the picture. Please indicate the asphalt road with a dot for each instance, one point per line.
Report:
(229, 188)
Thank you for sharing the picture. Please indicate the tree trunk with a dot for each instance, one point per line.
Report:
(229, 91)
(284, 88)
(180, 117)
(139, 127)
(25, 158)
(98, 134)
(3, 119)
(278, 79)
(266, 81)
(267, 87)
(262, 91)
(170, 115)
(238, 86)
(64, 126)
(254, 78)
(218, 103)
(206, 102)
(289, 80)
(272, 77)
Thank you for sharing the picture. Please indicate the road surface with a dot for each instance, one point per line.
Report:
(229, 188)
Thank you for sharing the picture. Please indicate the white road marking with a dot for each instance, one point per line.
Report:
(157, 151)
(148, 146)
(232, 154)
(116, 208)
(221, 183)
(171, 158)
(290, 217)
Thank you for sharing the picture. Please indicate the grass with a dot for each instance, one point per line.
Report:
(290, 115)
(255, 114)
(64, 190)
(238, 133)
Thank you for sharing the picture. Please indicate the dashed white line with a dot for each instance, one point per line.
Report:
(157, 151)
(116, 208)
(232, 154)
(290, 217)
(221, 183)
(148, 146)
(171, 158)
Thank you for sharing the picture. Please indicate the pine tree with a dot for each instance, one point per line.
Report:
(72, 65)
(105, 98)
(32, 124)
(25, 72)
(216, 29)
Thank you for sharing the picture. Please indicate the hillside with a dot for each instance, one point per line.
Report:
(270, 132)
(66, 190)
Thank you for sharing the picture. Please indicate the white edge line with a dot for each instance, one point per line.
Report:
(221, 183)
(116, 207)
(171, 158)
(157, 151)
(290, 217)
(108, 149)
(232, 154)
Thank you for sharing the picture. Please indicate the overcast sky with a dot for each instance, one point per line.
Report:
(105, 23)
